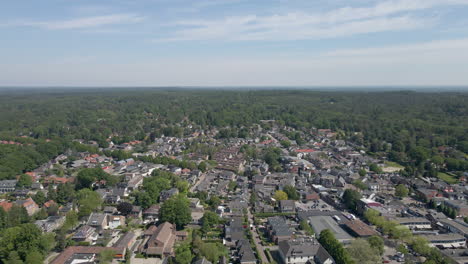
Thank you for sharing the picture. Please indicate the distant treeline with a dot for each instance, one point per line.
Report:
(408, 126)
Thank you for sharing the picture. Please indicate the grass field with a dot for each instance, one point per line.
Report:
(447, 178)
(393, 164)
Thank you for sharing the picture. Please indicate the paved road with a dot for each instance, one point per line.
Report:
(256, 239)
(202, 178)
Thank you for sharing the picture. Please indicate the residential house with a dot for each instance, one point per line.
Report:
(287, 206)
(86, 233)
(98, 221)
(167, 194)
(152, 213)
(278, 229)
(7, 186)
(115, 221)
(80, 254)
(161, 241)
(30, 206)
(50, 224)
(303, 251)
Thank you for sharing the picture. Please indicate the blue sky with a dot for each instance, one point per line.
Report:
(233, 42)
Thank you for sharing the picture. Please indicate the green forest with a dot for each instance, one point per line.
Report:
(424, 131)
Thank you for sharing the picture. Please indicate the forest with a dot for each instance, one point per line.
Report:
(409, 127)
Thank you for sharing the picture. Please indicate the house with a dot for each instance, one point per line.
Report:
(426, 194)
(414, 223)
(81, 254)
(110, 210)
(98, 221)
(303, 251)
(6, 205)
(161, 242)
(127, 240)
(461, 206)
(278, 229)
(136, 212)
(358, 228)
(7, 186)
(152, 213)
(450, 240)
(86, 233)
(167, 194)
(245, 253)
(287, 206)
(115, 221)
(30, 206)
(234, 230)
(50, 224)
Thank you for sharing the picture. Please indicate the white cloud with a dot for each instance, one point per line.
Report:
(386, 15)
(86, 22)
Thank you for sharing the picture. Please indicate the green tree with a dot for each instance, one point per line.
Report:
(362, 172)
(401, 191)
(143, 199)
(183, 254)
(335, 248)
(280, 195)
(377, 243)
(350, 198)
(34, 257)
(362, 252)
(88, 201)
(13, 258)
(24, 181)
(212, 251)
(291, 192)
(202, 166)
(176, 210)
(306, 227)
(39, 198)
(375, 168)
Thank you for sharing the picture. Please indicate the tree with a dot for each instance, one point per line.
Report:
(202, 166)
(285, 143)
(375, 168)
(143, 199)
(176, 210)
(183, 254)
(362, 252)
(212, 251)
(24, 181)
(232, 185)
(214, 201)
(291, 192)
(401, 191)
(362, 172)
(13, 258)
(71, 220)
(280, 195)
(39, 198)
(106, 256)
(377, 242)
(334, 247)
(88, 201)
(34, 257)
(350, 198)
(306, 227)
(209, 220)
(125, 208)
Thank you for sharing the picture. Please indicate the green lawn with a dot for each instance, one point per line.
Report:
(393, 164)
(447, 178)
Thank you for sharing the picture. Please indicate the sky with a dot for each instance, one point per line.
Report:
(234, 43)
